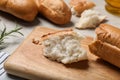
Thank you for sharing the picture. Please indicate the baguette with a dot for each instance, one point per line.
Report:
(108, 33)
(107, 44)
(56, 11)
(23, 9)
(106, 51)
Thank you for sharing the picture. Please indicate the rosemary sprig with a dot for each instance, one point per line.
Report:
(4, 34)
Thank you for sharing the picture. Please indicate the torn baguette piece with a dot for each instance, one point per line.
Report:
(108, 33)
(89, 19)
(64, 46)
(106, 51)
(78, 6)
(107, 45)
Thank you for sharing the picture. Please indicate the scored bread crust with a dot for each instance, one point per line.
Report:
(58, 33)
(81, 5)
(23, 9)
(108, 33)
(106, 51)
(55, 10)
(107, 44)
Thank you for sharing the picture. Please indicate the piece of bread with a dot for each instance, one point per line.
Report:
(23, 9)
(89, 19)
(78, 6)
(63, 46)
(56, 11)
(106, 51)
(107, 44)
(108, 33)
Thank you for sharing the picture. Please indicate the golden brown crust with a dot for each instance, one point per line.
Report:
(23, 9)
(108, 33)
(51, 34)
(81, 5)
(56, 11)
(106, 51)
(107, 45)
(58, 33)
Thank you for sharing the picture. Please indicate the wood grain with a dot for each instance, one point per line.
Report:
(28, 62)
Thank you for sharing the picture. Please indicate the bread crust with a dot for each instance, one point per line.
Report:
(81, 5)
(108, 33)
(23, 9)
(56, 11)
(107, 45)
(55, 33)
(58, 33)
(106, 51)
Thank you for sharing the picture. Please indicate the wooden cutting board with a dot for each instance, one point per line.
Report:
(28, 62)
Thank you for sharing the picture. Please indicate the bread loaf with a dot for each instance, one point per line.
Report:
(56, 11)
(107, 45)
(108, 33)
(23, 9)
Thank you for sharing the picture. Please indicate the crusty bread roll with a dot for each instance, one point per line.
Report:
(107, 45)
(78, 6)
(23, 9)
(56, 11)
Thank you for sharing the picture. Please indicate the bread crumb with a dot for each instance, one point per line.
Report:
(36, 41)
(64, 48)
(89, 19)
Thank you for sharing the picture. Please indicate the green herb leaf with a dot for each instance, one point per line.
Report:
(20, 33)
(4, 34)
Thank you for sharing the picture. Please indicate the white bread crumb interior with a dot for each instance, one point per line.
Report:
(89, 19)
(64, 48)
